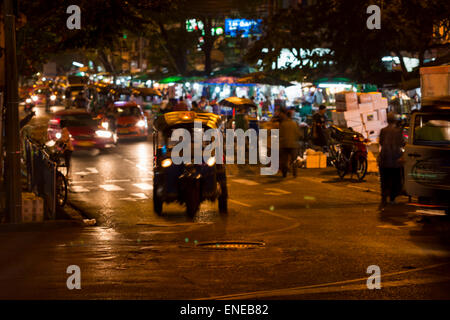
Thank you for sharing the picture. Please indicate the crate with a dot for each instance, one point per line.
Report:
(315, 159)
(435, 81)
(32, 208)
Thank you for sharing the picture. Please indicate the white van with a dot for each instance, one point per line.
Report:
(427, 153)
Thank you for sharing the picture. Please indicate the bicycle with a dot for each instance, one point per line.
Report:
(348, 152)
(61, 181)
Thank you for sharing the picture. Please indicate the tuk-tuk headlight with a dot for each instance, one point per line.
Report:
(211, 161)
(53, 97)
(166, 163)
(105, 125)
(141, 123)
(58, 135)
(28, 100)
(34, 98)
(103, 134)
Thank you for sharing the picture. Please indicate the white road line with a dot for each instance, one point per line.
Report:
(80, 181)
(78, 189)
(430, 212)
(139, 195)
(143, 186)
(240, 203)
(146, 179)
(279, 191)
(246, 182)
(82, 173)
(92, 170)
(115, 181)
(110, 187)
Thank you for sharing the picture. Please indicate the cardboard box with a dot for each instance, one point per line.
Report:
(315, 159)
(369, 97)
(351, 123)
(380, 104)
(32, 208)
(382, 115)
(369, 116)
(366, 107)
(346, 106)
(435, 81)
(346, 96)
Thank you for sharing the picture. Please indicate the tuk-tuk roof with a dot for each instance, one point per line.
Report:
(174, 118)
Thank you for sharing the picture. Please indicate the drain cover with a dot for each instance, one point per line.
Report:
(231, 245)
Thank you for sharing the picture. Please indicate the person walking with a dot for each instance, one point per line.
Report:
(389, 160)
(289, 142)
(319, 130)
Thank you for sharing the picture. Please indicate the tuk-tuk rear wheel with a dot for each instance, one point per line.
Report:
(157, 203)
(223, 198)
(193, 200)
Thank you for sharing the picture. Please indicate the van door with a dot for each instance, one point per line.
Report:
(427, 154)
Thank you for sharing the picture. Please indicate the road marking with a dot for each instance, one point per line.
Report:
(240, 203)
(408, 224)
(78, 189)
(92, 170)
(276, 214)
(430, 212)
(115, 181)
(139, 195)
(143, 186)
(82, 173)
(246, 182)
(278, 191)
(110, 187)
(146, 179)
(80, 181)
(302, 289)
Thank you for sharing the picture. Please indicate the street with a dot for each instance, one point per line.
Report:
(310, 237)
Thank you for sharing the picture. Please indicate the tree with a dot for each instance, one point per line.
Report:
(340, 26)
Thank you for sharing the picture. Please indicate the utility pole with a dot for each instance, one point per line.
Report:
(12, 168)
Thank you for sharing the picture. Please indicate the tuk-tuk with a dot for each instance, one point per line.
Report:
(427, 154)
(186, 183)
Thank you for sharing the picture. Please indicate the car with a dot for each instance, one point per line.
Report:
(427, 154)
(131, 121)
(188, 183)
(86, 130)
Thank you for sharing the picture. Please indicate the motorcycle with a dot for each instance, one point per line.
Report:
(29, 105)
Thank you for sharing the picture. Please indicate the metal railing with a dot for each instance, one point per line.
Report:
(41, 175)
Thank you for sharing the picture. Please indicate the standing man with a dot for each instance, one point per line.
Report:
(390, 166)
(289, 137)
(319, 130)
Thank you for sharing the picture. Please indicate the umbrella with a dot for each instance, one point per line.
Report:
(147, 92)
(221, 80)
(263, 78)
(236, 102)
(179, 79)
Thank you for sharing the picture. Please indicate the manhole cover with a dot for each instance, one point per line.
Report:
(231, 245)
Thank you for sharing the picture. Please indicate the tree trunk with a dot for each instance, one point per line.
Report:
(208, 45)
(403, 66)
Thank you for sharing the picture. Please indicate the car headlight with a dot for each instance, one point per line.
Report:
(166, 163)
(34, 98)
(141, 123)
(103, 133)
(58, 135)
(28, 100)
(105, 125)
(53, 97)
(211, 161)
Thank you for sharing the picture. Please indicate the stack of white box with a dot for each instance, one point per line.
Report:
(32, 208)
(365, 113)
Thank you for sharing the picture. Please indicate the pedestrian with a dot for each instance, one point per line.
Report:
(389, 160)
(181, 105)
(319, 130)
(203, 103)
(289, 142)
(65, 146)
(195, 107)
(215, 107)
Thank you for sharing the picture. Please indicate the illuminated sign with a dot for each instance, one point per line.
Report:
(242, 27)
